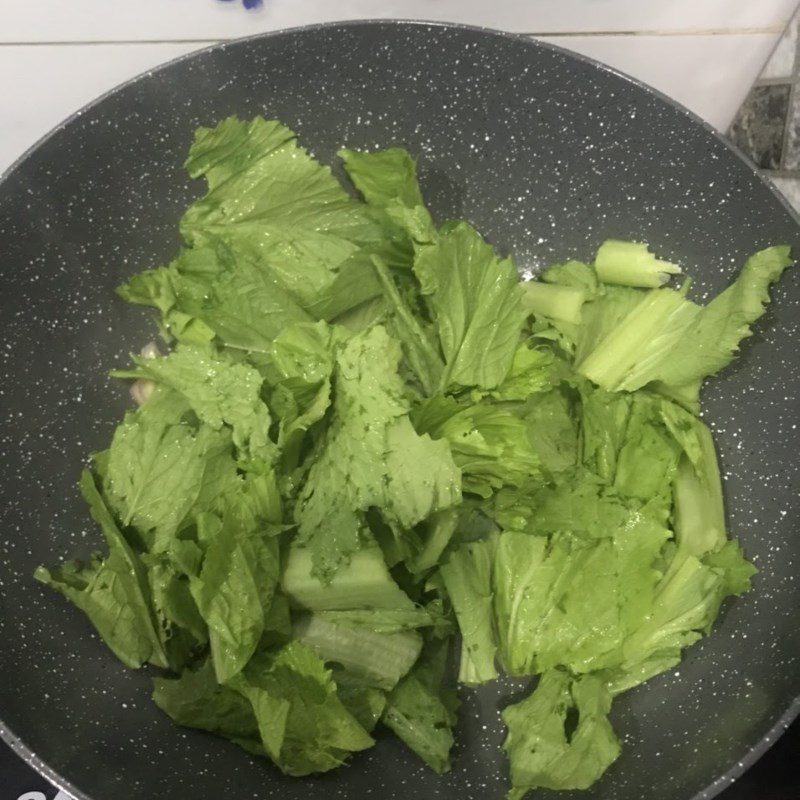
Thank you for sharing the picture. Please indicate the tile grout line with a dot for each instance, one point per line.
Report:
(116, 42)
(792, 95)
(666, 32)
(771, 29)
(774, 81)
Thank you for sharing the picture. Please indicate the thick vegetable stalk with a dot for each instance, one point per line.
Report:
(632, 264)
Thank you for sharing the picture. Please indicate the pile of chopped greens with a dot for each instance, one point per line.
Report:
(369, 440)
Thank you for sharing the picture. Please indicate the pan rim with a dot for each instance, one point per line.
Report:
(780, 724)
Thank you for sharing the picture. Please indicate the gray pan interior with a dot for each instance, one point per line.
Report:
(547, 154)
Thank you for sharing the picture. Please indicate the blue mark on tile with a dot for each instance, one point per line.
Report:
(248, 3)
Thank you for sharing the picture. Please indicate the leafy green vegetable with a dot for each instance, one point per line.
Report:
(182, 629)
(364, 703)
(604, 426)
(381, 620)
(233, 592)
(113, 593)
(421, 709)
(270, 201)
(219, 392)
(304, 726)
(541, 752)
(648, 458)
(467, 576)
(548, 597)
(552, 430)
(367, 436)
(476, 303)
(384, 177)
(609, 306)
(489, 443)
(699, 516)
(158, 473)
(440, 529)
(387, 180)
(574, 274)
(421, 352)
(364, 463)
(372, 659)
(639, 350)
(364, 583)
(650, 331)
(529, 375)
(631, 264)
(196, 700)
(554, 301)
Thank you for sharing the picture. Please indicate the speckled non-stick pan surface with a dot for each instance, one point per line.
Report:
(547, 155)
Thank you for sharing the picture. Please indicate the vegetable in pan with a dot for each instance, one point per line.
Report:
(367, 441)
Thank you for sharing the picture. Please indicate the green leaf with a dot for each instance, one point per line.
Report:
(476, 302)
(209, 290)
(196, 700)
(730, 562)
(219, 392)
(164, 406)
(422, 476)
(384, 176)
(162, 289)
(467, 575)
(302, 354)
(699, 514)
(299, 367)
(361, 465)
(604, 424)
(373, 659)
(489, 443)
(421, 709)
(682, 607)
(271, 202)
(542, 753)
(653, 329)
(157, 473)
(573, 601)
(422, 354)
(233, 592)
(183, 630)
(552, 431)
(348, 476)
(245, 305)
(600, 315)
(641, 348)
(578, 504)
(387, 180)
(530, 374)
(364, 703)
(648, 458)
(440, 529)
(574, 274)
(304, 726)
(713, 339)
(113, 593)
(555, 604)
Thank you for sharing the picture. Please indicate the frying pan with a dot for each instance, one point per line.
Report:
(547, 154)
